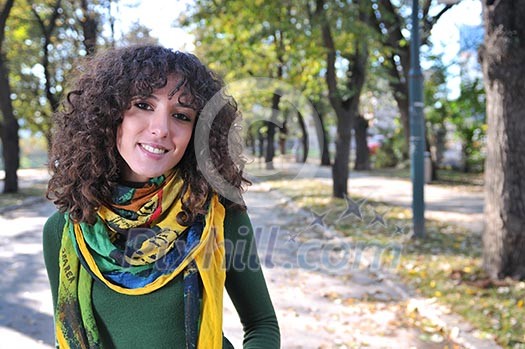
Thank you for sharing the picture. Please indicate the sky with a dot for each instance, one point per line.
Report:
(445, 34)
(158, 15)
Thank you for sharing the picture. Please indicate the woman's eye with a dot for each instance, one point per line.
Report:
(143, 106)
(181, 116)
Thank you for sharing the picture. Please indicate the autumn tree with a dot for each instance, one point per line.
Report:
(271, 39)
(502, 55)
(437, 111)
(38, 49)
(350, 50)
(89, 23)
(55, 21)
(389, 19)
(43, 48)
(49, 36)
(468, 117)
(47, 27)
(241, 40)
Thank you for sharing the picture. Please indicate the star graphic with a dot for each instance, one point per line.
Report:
(352, 208)
(291, 237)
(318, 218)
(378, 218)
(399, 230)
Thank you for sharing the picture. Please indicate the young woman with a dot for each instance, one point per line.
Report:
(142, 245)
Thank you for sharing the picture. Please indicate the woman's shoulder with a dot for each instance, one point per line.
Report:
(54, 226)
(52, 237)
(236, 216)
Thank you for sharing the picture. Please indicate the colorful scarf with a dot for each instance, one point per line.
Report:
(136, 247)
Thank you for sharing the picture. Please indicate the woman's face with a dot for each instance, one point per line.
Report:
(154, 133)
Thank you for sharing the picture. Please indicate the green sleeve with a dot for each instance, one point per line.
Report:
(246, 285)
(52, 239)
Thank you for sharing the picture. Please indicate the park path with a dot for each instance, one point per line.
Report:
(328, 296)
(26, 317)
(320, 302)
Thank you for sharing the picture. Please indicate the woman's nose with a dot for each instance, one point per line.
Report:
(159, 123)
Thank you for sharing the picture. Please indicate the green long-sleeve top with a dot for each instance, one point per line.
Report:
(156, 320)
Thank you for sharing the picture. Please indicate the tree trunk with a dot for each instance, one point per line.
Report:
(250, 141)
(362, 153)
(283, 136)
(270, 136)
(502, 57)
(399, 85)
(346, 109)
(9, 124)
(433, 164)
(9, 131)
(304, 138)
(389, 25)
(260, 137)
(270, 146)
(89, 28)
(343, 139)
(404, 115)
(465, 155)
(322, 136)
(441, 135)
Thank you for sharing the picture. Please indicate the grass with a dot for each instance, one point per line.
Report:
(445, 265)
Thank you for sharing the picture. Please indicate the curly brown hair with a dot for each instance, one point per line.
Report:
(84, 162)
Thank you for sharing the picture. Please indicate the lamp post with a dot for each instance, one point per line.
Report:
(417, 128)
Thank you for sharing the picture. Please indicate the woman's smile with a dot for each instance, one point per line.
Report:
(153, 148)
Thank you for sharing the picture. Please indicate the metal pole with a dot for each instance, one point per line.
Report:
(417, 131)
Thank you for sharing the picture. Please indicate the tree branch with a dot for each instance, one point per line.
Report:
(47, 30)
(89, 28)
(392, 22)
(328, 43)
(40, 21)
(426, 8)
(3, 19)
(357, 72)
(428, 22)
